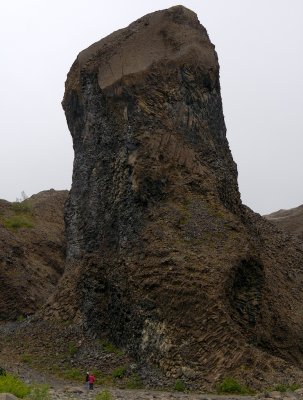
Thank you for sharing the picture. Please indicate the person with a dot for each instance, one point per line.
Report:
(91, 381)
(87, 380)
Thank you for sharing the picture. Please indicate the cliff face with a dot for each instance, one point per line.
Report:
(162, 256)
(32, 254)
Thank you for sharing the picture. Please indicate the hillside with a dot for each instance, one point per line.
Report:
(32, 253)
(290, 220)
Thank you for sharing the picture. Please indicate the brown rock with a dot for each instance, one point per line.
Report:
(7, 396)
(32, 253)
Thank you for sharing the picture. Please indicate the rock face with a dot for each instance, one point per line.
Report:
(289, 220)
(32, 253)
(162, 255)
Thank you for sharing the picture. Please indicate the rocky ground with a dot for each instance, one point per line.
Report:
(118, 394)
(21, 353)
(67, 390)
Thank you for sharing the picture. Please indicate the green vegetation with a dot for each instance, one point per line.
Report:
(108, 347)
(18, 221)
(73, 374)
(230, 385)
(134, 382)
(72, 349)
(21, 214)
(179, 385)
(12, 384)
(40, 392)
(119, 372)
(2, 371)
(26, 358)
(20, 318)
(281, 387)
(98, 374)
(104, 395)
(22, 208)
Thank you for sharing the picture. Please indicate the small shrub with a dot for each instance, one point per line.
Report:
(72, 349)
(26, 358)
(2, 372)
(281, 387)
(119, 372)
(98, 374)
(134, 382)
(22, 208)
(230, 385)
(11, 384)
(108, 347)
(179, 386)
(17, 221)
(40, 392)
(294, 386)
(20, 318)
(104, 395)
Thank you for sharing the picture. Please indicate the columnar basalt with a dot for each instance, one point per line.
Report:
(162, 256)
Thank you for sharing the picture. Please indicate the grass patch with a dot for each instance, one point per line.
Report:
(40, 392)
(18, 221)
(11, 384)
(23, 207)
(22, 216)
(230, 385)
(72, 349)
(105, 380)
(108, 347)
(98, 374)
(119, 372)
(104, 395)
(281, 387)
(179, 386)
(26, 358)
(134, 382)
(73, 374)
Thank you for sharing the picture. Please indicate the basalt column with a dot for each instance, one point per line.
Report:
(162, 256)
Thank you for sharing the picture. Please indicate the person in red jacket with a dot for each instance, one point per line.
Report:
(91, 380)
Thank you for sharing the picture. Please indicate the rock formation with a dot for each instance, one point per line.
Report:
(162, 256)
(32, 253)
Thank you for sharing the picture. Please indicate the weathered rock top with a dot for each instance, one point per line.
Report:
(151, 39)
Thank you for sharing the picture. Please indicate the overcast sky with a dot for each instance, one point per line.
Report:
(260, 48)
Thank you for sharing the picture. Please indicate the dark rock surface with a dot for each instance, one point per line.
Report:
(162, 255)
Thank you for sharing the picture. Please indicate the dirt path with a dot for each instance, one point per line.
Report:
(73, 392)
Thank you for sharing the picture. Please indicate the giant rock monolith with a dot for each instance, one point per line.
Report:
(162, 255)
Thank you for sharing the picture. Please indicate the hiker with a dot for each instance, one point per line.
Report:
(87, 380)
(91, 380)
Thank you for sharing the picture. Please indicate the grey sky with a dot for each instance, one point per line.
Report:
(260, 48)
